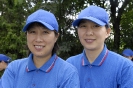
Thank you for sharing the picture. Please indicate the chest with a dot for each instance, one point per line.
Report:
(35, 79)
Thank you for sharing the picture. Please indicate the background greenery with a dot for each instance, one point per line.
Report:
(13, 14)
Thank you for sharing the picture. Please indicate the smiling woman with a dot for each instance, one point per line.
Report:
(40, 41)
(96, 64)
(42, 68)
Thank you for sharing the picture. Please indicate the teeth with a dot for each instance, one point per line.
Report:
(89, 40)
(39, 47)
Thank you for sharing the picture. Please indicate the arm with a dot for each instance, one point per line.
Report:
(126, 80)
(7, 79)
(71, 81)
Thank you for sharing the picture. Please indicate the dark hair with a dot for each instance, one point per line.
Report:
(107, 25)
(56, 46)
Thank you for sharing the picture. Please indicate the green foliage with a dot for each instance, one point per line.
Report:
(15, 12)
(12, 39)
(16, 2)
(127, 27)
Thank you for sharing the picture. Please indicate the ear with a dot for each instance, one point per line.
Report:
(56, 36)
(108, 30)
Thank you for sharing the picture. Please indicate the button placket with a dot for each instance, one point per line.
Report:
(33, 85)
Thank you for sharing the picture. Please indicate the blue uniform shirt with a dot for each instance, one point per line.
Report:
(109, 70)
(55, 73)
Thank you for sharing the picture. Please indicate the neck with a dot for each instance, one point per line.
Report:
(92, 54)
(40, 61)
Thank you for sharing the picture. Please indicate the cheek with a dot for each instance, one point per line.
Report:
(81, 37)
(107, 35)
(80, 34)
(101, 34)
(51, 40)
(28, 40)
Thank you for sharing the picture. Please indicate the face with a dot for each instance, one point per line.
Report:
(3, 65)
(40, 41)
(128, 57)
(91, 35)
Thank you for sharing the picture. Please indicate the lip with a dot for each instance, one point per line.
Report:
(39, 47)
(89, 40)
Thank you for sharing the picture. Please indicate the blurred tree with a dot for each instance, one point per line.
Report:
(12, 39)
(14, 13)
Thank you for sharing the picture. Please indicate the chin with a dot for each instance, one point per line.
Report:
(90, 48)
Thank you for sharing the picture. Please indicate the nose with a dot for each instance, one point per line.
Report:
(39, 38)
(89, 31)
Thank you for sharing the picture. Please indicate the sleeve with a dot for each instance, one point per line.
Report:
(0, 83)
(8, 78)
(72, 81)
(69, 60)
(126, 79)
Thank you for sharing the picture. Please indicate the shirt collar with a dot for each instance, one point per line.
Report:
(99, 60)
(46, 67)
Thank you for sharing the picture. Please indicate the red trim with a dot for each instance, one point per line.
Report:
(82, 62)
(49, 69)
(27, 69)
(100, 62)
(104, 58)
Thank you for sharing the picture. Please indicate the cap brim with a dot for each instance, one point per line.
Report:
(5, 58)
(126, 54)
(43, 23)
(97, 21)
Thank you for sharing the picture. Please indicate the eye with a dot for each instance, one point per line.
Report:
(82, 25)
(96, 25)
(45, 32)
(31, 32)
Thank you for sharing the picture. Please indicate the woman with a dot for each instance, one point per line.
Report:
(99, 67)
(128, 53)
(43, 68)
(4, 61)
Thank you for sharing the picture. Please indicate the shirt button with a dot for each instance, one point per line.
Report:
(88, 79)
(33, 85)
(90, 66)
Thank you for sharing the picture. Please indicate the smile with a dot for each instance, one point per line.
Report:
(89, 40)
(38, 46)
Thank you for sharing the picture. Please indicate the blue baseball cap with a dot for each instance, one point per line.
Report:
(5, 58)
(44, 17)
(132, 53)
(127, 52)
(95, 14)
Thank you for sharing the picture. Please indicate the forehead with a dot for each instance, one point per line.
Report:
(36, 24)
(86, 21)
